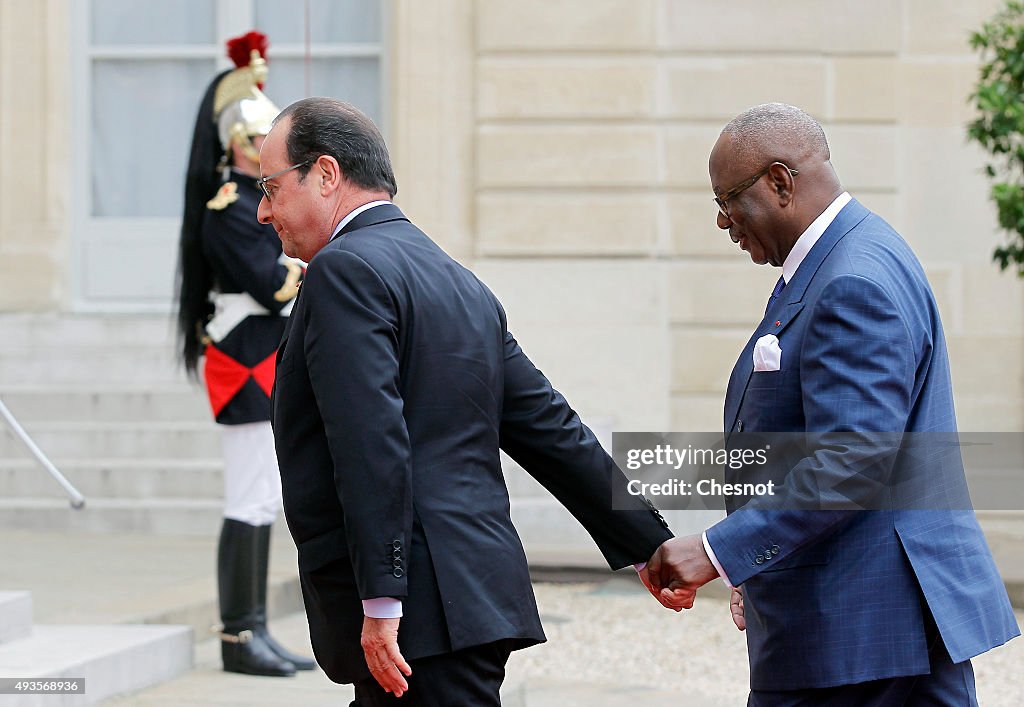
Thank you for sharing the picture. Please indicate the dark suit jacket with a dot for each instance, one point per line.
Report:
(397, 383)
(834, 597)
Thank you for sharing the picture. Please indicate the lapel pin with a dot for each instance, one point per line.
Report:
(778, 323)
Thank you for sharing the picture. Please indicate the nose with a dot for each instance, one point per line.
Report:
(263, 211)
(723, 221)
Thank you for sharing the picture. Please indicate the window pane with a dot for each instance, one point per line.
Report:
(355, 81)
(143, 113)
(331, 21)
(153, 22)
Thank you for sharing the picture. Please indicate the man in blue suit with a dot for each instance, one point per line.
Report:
(883, 598)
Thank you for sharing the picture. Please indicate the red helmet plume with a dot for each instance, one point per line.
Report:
(240, 48)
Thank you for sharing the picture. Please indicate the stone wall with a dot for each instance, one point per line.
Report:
(34, 159)
(594, 121)
(559, 147)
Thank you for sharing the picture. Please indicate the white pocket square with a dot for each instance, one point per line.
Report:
(767, 354)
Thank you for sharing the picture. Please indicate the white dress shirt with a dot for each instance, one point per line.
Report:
(352, 214)
(796, 256)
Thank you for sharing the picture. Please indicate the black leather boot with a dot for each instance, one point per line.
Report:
(262, 568)
(243, 648)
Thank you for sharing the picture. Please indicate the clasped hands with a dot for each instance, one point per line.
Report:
(678, 569)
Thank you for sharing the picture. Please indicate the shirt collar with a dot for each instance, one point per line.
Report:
(809, 237)
(353, 213)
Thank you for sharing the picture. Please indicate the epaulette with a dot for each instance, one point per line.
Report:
(227, 194)
(292, 281)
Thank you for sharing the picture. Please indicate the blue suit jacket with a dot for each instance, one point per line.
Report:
(836, 597)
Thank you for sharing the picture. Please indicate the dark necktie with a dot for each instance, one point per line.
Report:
(779, 286)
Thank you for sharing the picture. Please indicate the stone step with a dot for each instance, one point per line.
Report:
(95, 403)
(173, 477)
(542, 522)
(15, 616)
(111, 659)
(106, 515)
(51, 330)
(107, 364)
(545, 527)
(115, 478)
(105, 440)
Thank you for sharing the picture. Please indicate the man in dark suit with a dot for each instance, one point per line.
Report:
(397, 383)
(883, 598)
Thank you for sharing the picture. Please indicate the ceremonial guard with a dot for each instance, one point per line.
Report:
(236, 289)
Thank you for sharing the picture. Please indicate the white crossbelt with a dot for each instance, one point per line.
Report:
(231, 308)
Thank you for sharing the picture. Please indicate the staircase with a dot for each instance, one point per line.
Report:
(110, 659)
(103, 397)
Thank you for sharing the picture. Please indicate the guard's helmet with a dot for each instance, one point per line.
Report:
(240, 108)
(233, 111)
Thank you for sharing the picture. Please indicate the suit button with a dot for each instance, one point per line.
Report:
(397, 545)
(397, 564)
(775, 549)
(397, 554)
(398, 573)
(759, 559)
(739, 425)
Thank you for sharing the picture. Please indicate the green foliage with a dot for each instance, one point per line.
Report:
(999, 128)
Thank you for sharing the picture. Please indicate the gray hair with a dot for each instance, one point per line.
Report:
(762, 131)
(326, 126)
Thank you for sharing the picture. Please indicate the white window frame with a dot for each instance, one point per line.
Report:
(232, 18)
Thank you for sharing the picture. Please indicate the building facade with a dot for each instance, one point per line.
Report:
(556, 147)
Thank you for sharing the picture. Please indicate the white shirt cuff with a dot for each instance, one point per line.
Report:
(714, 559)
(383, 608)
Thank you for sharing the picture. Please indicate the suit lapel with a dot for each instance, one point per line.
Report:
(288, 327)
(789, 304)
(775, 321)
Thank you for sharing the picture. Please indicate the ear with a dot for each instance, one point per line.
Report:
(782, 183)
(331, 177)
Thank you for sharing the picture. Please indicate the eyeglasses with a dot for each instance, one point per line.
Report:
(723, 199)
(262, 181)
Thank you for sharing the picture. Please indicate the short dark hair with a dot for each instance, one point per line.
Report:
(327, 126)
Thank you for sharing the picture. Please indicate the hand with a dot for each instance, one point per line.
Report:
(678, 569)
(380, 646)
(642, 574)
(736, 607)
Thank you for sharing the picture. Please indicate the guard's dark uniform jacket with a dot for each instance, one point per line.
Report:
(245, 257)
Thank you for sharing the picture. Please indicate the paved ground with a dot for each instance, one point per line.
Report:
(610, 644)
(599, 654)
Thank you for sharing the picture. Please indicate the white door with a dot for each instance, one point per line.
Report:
(140, 69)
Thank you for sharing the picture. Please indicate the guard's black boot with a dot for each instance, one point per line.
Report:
(262, 567)
(243, 648)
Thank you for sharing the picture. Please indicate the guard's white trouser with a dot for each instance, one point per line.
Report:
(252, 482)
